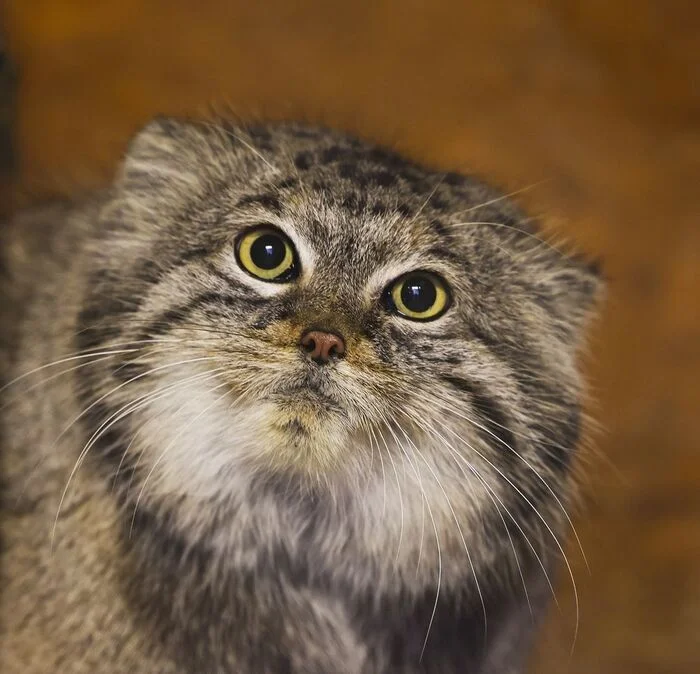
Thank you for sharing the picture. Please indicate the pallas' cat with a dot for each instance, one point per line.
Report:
(279, 400)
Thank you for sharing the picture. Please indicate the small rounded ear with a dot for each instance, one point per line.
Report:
(165, 154)
(571, 288)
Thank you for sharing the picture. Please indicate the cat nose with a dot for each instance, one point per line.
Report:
(322, 346)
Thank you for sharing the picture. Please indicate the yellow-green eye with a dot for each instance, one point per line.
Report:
(268, 254)
(419, 295)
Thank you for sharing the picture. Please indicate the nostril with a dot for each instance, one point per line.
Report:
(322, 346)
(336, 346)
(308, 343)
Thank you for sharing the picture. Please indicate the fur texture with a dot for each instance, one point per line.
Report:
(185, 491)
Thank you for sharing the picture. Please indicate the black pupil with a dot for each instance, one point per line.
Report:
(418, 294)
(268, 251)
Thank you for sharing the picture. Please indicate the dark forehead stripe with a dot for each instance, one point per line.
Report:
(354, 203)
(443, 252)
(382, 178)
(287, 183)
(439, 227)
(170, 318)
(331, 154)
(268, 200)
(303, 160)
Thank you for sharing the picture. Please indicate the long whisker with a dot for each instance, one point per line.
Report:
(235, 400)
(458, 455)
(446, 406)
(439, 577)
(430, 513)
(381, 461)
(454, 516)
(159, 394)
(366, 425)
(398, 485)
(427, 200)
(78, 355)
(80, 366)
(489, 492)
(496, 200)
(549, 529)
(84, 451)
(122, 385)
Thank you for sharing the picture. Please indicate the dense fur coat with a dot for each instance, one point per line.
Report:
(185, 490)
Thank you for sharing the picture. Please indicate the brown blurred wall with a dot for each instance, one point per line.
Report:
(600, 99)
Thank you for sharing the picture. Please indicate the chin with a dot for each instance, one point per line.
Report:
(310, 434)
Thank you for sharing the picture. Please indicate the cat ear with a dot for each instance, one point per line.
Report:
(155, 152)
(571, 288)
(163, 155)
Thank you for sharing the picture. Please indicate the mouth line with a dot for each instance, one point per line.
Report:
(309, 394)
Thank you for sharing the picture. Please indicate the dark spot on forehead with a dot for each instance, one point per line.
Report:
(147, 270)
(316, 228)
(287, 183)
(348, 170)
(269, 201)
(299, 132)
(321, 185)
(259, 132)
(446, 254)
(261, 137)
(302, 160)
(438, 203)
(349, 201)
(419, 187)
(386, 157)
(439, 227)
(331, 154)
(383, 178)
(379, 208)
(405, 210)
(354, 203)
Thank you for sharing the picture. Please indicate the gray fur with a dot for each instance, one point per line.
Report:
(237, 521)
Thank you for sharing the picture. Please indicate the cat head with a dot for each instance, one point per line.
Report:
(298, 303)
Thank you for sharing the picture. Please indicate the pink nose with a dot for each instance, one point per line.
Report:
(322, 346)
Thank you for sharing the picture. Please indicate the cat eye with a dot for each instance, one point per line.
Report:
(419, 295)
(266, 253)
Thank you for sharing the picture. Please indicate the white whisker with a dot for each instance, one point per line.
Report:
(103, 427)
(454, 516)
(449, 408)
(549, 529)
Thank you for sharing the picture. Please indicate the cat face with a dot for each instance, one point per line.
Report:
(301, 304)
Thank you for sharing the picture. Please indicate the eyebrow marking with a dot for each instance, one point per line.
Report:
(269, 201)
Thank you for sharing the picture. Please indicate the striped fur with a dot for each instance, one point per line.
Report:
(239, 508)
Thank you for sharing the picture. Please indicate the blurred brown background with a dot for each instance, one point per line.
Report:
(598, 98)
